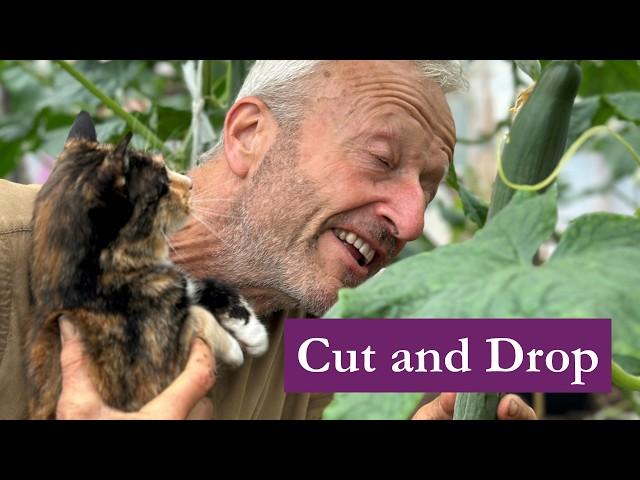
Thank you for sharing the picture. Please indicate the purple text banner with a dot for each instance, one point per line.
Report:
(440, 355)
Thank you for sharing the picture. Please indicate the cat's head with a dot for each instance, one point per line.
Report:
(110, 193)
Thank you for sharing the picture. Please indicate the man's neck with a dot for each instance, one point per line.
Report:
(199, 248)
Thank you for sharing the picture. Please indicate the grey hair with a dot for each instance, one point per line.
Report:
(283, 86)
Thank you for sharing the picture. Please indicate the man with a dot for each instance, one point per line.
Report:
(322, 177)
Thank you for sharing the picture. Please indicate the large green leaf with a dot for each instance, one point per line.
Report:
(53, 141)
(13, 128)
(593, 273)
(616, 156)
(112, 76)
(474, 208)
(582, 116)
(372, 406)
(171, 122)
(598, 109)
(8, 157)
(609, 76)
(626, 105)
(25, 90)
(419, 245)
(596, 257)
(66, 93)
(111, 130)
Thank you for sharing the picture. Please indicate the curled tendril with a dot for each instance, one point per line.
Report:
(571, 151)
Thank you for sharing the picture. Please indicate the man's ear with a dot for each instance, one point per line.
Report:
(249, 130)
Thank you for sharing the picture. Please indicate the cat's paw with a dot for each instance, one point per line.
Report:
(201, 323)
(234, 314)
(243, 323)
(232, 355)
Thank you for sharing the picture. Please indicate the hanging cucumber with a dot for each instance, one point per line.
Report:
(538, 136)
(537, 140)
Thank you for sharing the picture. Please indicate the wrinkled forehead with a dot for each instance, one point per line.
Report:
(354, 91)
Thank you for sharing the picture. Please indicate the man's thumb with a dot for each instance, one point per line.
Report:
(67, 330)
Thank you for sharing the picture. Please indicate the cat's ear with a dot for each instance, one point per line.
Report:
(119, 155)
(121, 150)
(116, 163)
(83, 128)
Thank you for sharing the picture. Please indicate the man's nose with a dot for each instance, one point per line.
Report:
(404, 210)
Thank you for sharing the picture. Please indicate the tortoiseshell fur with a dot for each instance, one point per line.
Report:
(100, 257)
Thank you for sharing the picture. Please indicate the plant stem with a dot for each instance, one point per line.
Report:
(539, 404)
(227, 94)
(132, 121)
(623, 379)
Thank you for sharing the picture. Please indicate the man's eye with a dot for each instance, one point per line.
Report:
(383, 160)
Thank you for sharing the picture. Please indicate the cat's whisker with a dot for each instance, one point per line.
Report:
(213, 213)
(209, 201)
(206, 225)
(217, 186)
(205, 198)
(210, 206)
(168, 242)
(213, 193)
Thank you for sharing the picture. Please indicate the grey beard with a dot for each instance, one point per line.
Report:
(248, 265)
(259, 256)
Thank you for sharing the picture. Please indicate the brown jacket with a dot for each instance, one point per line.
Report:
(255, 391)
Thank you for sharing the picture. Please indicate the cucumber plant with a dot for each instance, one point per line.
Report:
(537, 140)
(493, 274)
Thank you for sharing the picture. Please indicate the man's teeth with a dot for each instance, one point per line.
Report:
(363, 247)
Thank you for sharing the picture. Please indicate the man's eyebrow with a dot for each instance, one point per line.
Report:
(385, 133)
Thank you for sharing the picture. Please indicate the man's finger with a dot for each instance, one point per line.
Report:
(191, 386)
(512, 407)
(439, 409)
(73, 361)
(79, 397)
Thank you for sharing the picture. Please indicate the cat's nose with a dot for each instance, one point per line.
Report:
(187, 182)
(180, 181)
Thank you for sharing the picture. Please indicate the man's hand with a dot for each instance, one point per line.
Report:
(511, 407)
(184, 398)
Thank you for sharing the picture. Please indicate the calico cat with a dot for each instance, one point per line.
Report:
(100, 257)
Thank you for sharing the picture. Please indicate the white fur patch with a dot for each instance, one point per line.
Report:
(192, 290)
(252, 334)
(233, 356)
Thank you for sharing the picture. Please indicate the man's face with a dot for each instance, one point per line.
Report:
(330, 208)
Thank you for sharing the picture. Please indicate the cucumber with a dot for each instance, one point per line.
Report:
(537, 140)
(538, 136)
(476, 406)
